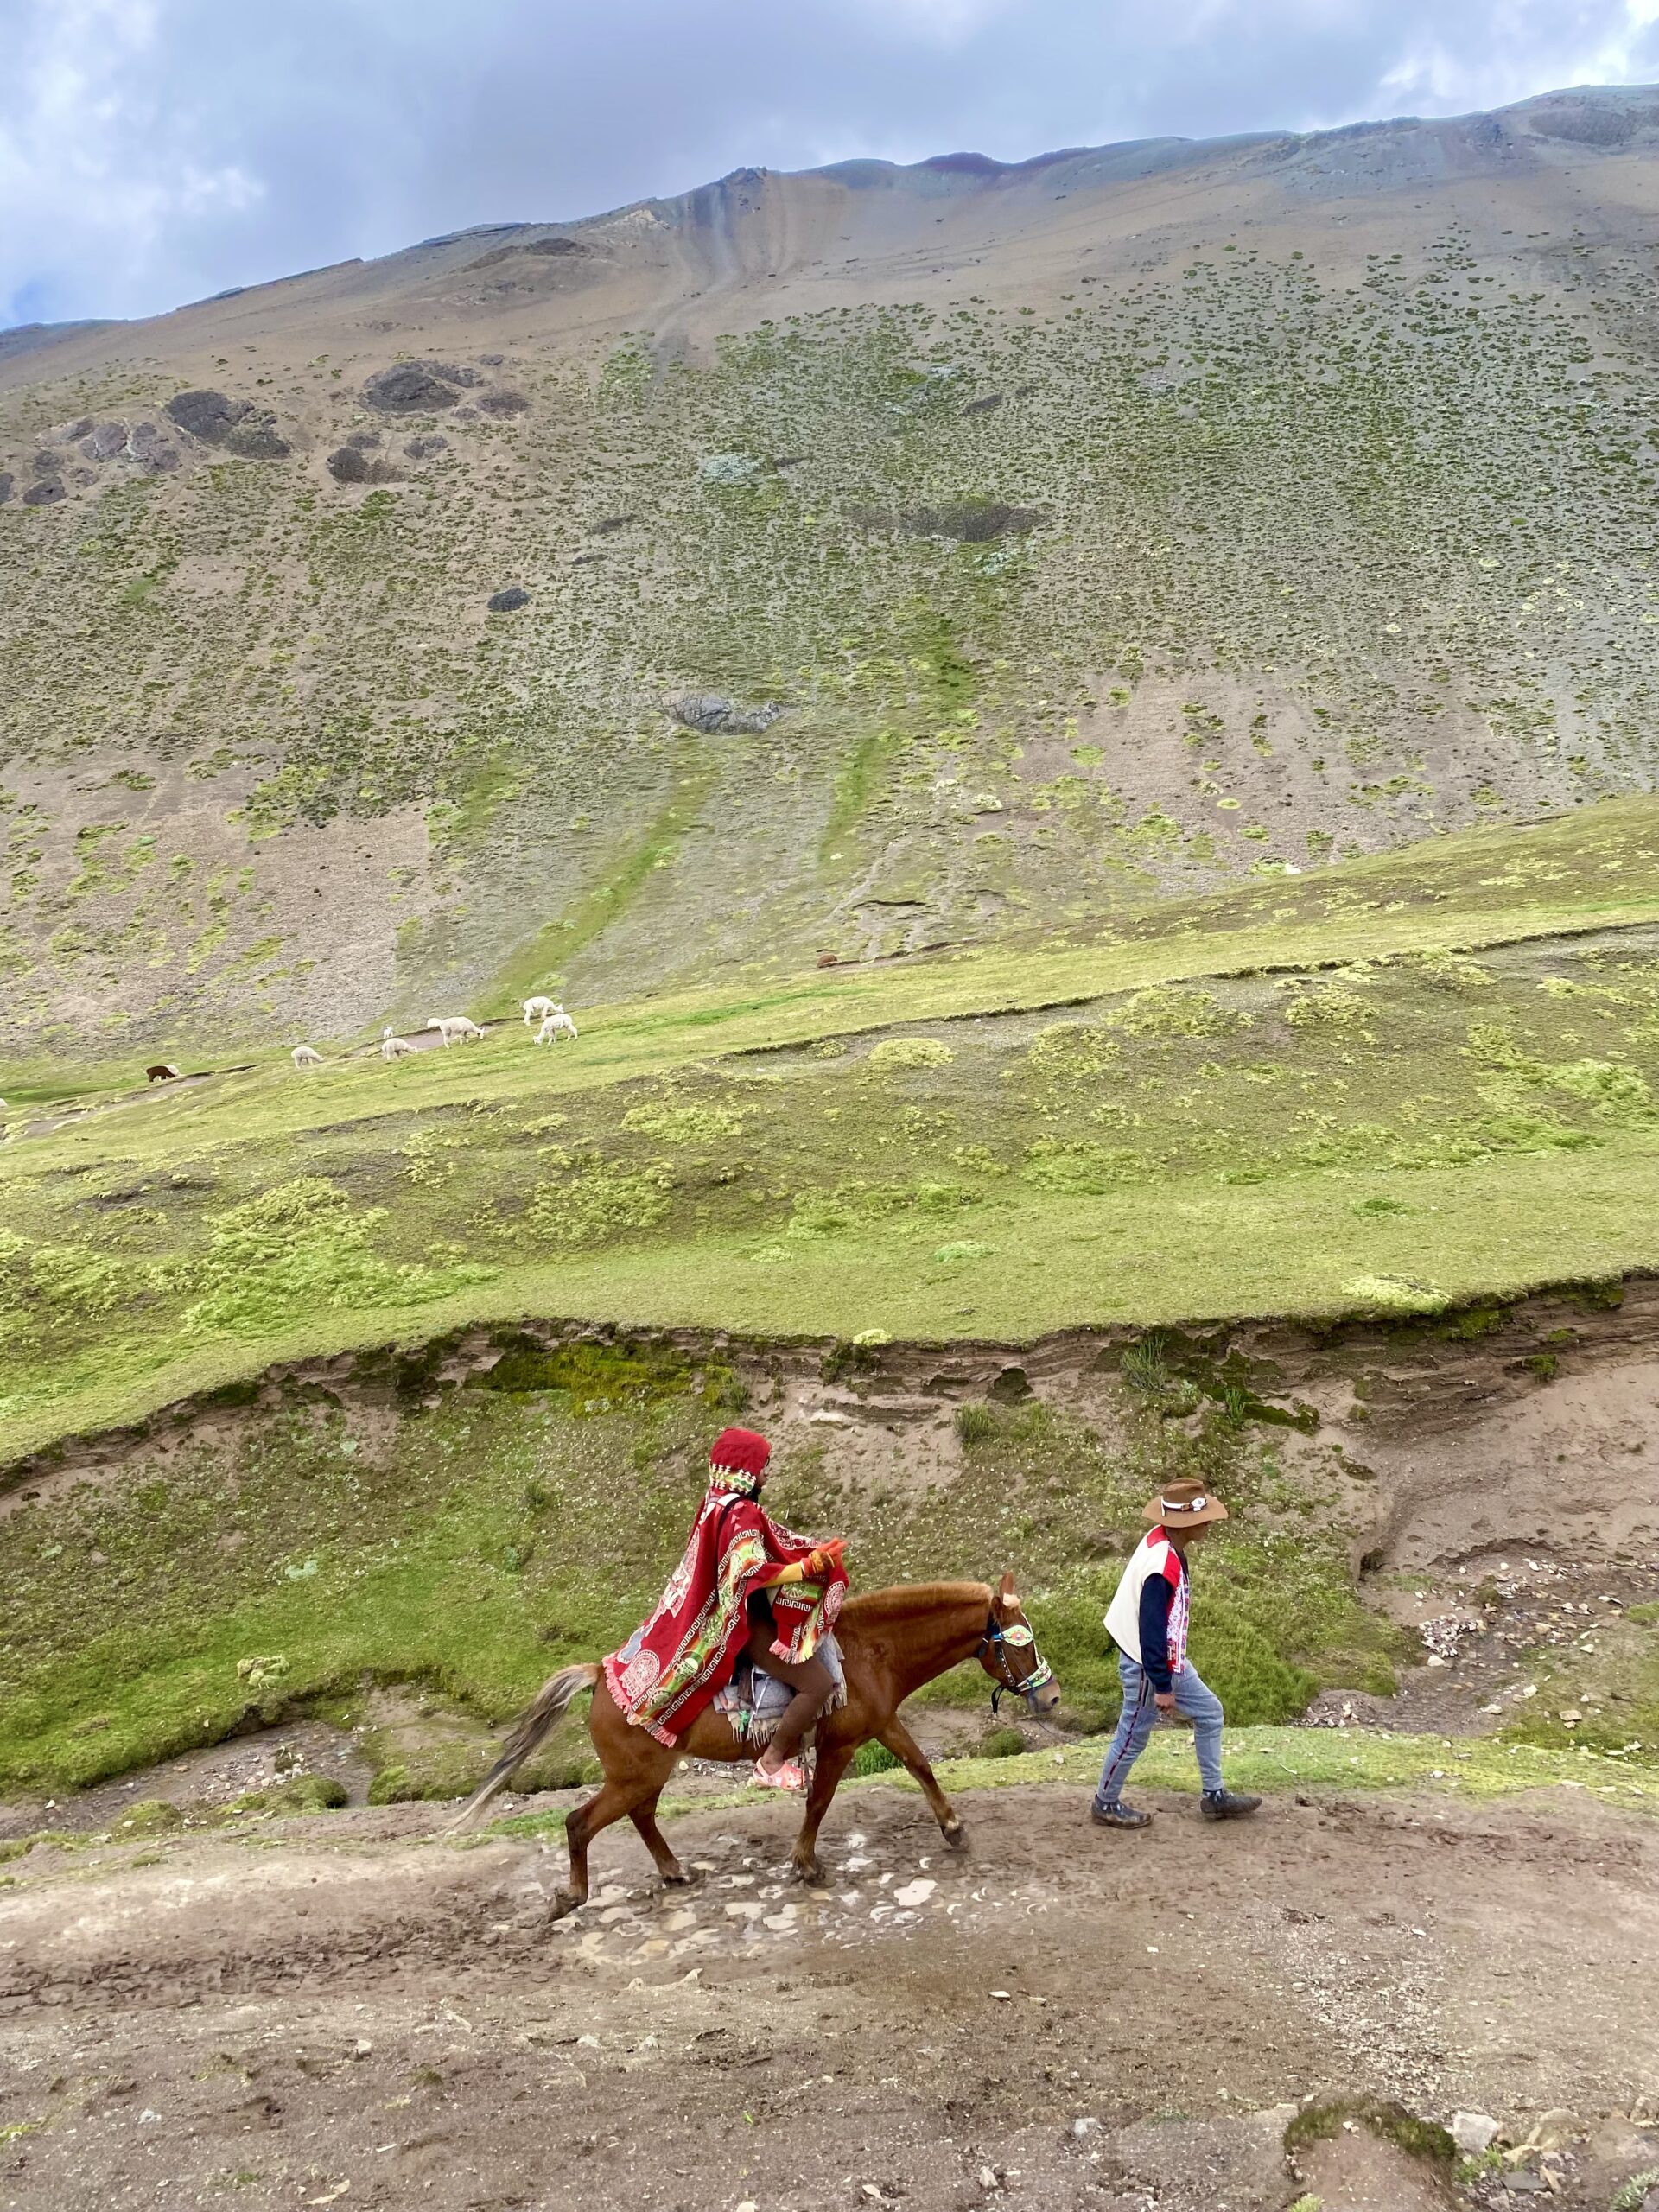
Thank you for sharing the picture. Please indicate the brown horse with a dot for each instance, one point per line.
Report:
(891, 1641)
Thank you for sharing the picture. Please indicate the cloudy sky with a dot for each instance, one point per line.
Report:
(152, 151)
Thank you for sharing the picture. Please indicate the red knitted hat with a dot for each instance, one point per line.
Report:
(740, 1452)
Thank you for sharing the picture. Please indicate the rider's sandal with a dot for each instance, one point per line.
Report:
(791, 1777)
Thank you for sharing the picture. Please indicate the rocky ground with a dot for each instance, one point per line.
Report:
(348, 2010)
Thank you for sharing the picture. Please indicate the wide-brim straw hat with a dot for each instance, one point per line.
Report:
(1184, 1505)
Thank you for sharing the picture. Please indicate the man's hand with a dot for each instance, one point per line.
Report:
(826, 1556)
(1164, 1699)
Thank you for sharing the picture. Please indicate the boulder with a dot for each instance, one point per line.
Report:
(504, 402)
(1472, 2132)
(146, 445)
(506, 602)
(46, 493)
(718, 717)
(348, 465)
(411, 388)
(65, 434)
(107, 441)
(209, 416)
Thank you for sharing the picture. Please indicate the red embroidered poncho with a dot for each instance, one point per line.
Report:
(670, 1669)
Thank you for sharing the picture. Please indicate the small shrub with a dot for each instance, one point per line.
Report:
(600, 1202)
(1144, 1366)
(976, 1424)
(683, 1124)
(1327, 1009)
(1073, 1050)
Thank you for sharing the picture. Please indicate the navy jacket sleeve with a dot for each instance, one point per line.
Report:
(1154, 1631)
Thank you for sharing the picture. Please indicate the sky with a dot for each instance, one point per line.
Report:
(155, 151)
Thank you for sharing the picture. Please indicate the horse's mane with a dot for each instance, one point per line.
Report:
(875, 1609)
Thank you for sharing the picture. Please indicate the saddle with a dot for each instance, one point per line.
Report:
(753, 1700)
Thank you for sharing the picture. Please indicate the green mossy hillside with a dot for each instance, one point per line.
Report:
(293, 1559)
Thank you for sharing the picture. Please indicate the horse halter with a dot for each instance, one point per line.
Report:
(998, 1640)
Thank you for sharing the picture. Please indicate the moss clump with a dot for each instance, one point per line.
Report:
(304, 1793)
(149, 1816)
(911, 1052)
(1167, 1010)
(1418, 2139)
(598, 1377)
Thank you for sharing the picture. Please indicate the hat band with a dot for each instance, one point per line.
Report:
(1183, 1505)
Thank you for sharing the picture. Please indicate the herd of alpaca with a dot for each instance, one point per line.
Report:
(452, 1028)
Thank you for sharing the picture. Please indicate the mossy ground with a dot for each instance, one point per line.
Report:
(303, 1555)
(1193, 1122)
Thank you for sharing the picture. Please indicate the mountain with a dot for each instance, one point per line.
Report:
(849, 562)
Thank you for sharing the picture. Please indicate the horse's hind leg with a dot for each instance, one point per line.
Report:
(645, 1819)
(610, 1804)
(897, 1739)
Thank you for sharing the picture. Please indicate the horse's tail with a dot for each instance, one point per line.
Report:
(534, 1724)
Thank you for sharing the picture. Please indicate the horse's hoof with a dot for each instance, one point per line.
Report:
(955, 1834)
(809, 1872)
(676, 1879)
(565, 1902)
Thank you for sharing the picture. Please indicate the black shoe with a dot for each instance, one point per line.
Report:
(1228, 1804)
(1119, 1816)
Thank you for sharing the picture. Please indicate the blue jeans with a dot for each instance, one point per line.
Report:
(1193, 1697)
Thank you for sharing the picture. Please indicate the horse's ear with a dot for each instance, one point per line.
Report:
(1006, 1596)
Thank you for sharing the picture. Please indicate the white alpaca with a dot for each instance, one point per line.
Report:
(394, 1048)
(539, 1008)
(304, 1056)
(454, 1028)
(557, 1024)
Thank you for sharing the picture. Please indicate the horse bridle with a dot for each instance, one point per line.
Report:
(996, 1640)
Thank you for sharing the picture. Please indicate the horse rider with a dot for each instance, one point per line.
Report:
(745, 1585)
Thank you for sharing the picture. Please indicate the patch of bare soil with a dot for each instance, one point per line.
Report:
(345, 2010)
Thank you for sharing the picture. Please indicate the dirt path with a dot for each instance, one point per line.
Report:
(347, 2012)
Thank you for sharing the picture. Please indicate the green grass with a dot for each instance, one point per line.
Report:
(1139, 1129)
(296, 1556)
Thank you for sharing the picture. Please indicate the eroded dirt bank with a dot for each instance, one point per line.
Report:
(362, 2017)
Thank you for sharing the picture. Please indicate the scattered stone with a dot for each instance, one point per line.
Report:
(727, 468)
(504, 402)
(1554, 2130)
(717, 716)
(412, 388)
(1472, 2132)
(506, 602)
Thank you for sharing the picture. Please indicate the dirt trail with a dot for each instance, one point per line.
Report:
(345, 2011)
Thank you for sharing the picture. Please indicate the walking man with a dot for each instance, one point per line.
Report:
(1146, 1620)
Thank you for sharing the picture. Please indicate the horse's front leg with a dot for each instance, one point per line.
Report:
(830, 1764)
(897, 1739)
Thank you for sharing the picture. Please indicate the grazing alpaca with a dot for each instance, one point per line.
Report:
(539, 1008)
(454, 1028)
(304, 1056)
(557, 1024)
(394, 1048)
(164, 1072)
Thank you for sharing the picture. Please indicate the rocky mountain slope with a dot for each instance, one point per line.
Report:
(852, 561)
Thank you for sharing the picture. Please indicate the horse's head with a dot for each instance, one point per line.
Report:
(1007, 1652)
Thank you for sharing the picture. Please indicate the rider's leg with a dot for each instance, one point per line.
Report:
(810, 1678)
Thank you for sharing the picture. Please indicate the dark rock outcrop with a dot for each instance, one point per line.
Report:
(348, 464)
(718, 717)
(5, 485)
(412, 388)
(46, 493)
(146, 445)
(107, 443)
(423, 448)
(236, 424)
(504, 402)
(506, 602)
